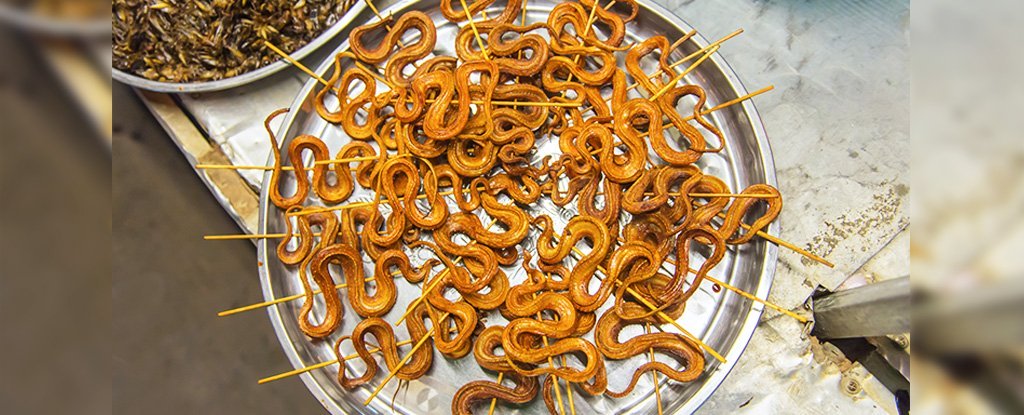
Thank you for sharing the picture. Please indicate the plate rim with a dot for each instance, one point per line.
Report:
(768, 267)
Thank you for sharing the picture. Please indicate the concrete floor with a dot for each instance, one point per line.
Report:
(171, 353)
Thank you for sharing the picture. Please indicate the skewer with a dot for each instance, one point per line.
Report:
(311, 368)
(517, 103)
(551, 362)
(671, 84)
(568, 392)
(490, 411)
(320, 79)
(404, 360)
(437, 280)
(379, 16)
(444, 193)
(732, 102)
(586, 29)
(742, 293)
(472, 25)
(654, 373)
(294, 62)
(449, 193)
(786, 244)
(661, 314)
(701, 195)
(691, 56)
(269, 303)
(665, 317)
(285, 168)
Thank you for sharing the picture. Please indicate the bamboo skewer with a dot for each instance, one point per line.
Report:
(286, 168)
(445, 193)
(320, 79)
(295, 62)
(692, 55)
(568, 393)
(786, 244)
(551, 362)
(490, 411)
(745, 294)
(437, 280)
(671, 84)
(290, 298)
(731, 102)
(405, 359)
(379, 16)
(472, 25)
(664, 317)
(742, 293)
(654, 373)
(311, 368)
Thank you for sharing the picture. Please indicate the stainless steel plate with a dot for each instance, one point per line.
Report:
(189, 87)
(724, 320)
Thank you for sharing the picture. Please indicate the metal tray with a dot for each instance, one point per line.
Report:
(723, 320)
(227, 83)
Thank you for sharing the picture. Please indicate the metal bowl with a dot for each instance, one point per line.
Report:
(245, 78)
(723, 320)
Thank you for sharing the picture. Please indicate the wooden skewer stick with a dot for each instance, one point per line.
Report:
(691, 56)
(786, 244)
(517, 103)
(436, 281)
(551, 362)
(311, 368)
(661, 314)
(472, 25)
(444, 193)
(320, 79)
(665, 317)
(490, 411)
(379, 16)
(568, 393)
(742, 293)
(733, 101)
(671, 84)
(586, 30)
(654, 373)
(245, 236)
(285, 168)
(404, 360)
(294, 62)
(288, 298)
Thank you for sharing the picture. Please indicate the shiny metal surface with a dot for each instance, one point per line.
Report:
(248, 77)
(723, 320)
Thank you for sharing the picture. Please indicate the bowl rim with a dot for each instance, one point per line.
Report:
(245, 78)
